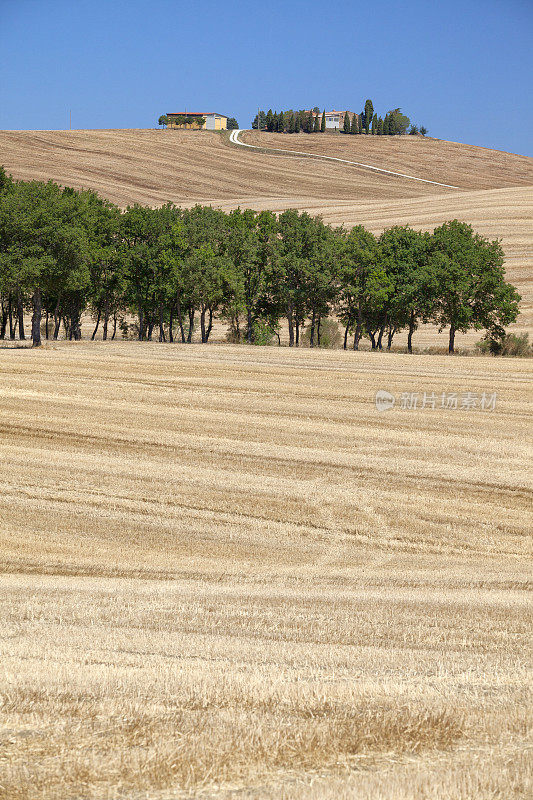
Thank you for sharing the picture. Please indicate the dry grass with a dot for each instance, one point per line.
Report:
(226, 575)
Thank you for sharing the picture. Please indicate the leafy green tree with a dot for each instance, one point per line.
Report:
(472, 291)
(398, 122)
(364, 285)
(360, 124)
(354, 127)
(316, 124)
(423, 131)
(44, 248)
(269, 122)
(405, 255)
(163, 120)
(323, 122)
(380, 126)
(232, 124)
(413, 130)
(251, 241)
(374, 125)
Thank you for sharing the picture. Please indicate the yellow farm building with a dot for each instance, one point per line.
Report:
(195, 120)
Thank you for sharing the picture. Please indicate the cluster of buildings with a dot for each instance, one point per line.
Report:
(334, 119)
(213, 121)
(199, 120)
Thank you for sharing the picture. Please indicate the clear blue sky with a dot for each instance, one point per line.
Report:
(463, 68)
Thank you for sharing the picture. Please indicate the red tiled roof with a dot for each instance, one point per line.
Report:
(193, 113)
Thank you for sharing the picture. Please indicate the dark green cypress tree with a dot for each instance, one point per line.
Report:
(386, 125)
(380, 126)
(374, 125)
(369, 112)
(346, 123)
(316, 124)
(269, 120)
(323, 122)
(309, 123)
(360, 124)
(292, 124)
(354, 127)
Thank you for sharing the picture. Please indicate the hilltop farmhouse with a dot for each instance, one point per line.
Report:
(334, 119)
(206, 120)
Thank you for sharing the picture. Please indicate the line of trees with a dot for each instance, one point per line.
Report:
(290, 121)
(394, 123)
(64, 253)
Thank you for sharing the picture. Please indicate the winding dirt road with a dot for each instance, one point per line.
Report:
(234, 138)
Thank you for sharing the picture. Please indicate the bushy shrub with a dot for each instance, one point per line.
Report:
(511, 344)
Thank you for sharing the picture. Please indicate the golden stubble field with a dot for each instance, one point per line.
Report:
(225, 574)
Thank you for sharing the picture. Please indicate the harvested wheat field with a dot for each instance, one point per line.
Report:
(226, 575)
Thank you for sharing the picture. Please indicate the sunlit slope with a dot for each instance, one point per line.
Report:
(151, 166)
(461, 165)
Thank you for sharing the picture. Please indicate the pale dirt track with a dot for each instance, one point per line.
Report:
(153, 167)
(234, 139)
(221, 567)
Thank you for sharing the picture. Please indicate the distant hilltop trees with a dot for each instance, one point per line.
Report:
(394, 123)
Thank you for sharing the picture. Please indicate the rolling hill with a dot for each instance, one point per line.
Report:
(495, 191)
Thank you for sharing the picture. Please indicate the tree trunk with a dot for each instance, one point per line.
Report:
(150, 330)
(380, 337)
(96, 326)
(390, 336)
(347, 328)
(36, 319)
(451, 342)
(312, 333)
(249, 325)
(191, 325)
(10, 315)
(20, 313)
(373, 340)
(161, 327)
(411, 331)
(3, 323)
(171, 325)
(202, 324)
(180, 318)
(358, 328)
(57, 320)
(46, 324)
(141, 325)
(106, 320)
(318, 331)
(114, 325)
(291, 326)
(209, 325)
(297, 333)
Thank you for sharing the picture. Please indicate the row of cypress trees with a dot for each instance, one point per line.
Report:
(368, 122)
